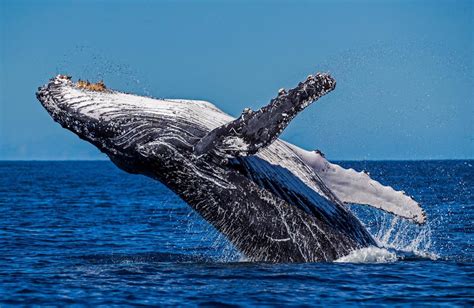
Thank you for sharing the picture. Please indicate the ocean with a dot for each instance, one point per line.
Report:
(87, 233)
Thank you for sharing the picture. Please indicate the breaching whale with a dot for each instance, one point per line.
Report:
(274, 201)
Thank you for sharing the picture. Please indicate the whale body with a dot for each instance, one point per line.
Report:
(274, 201)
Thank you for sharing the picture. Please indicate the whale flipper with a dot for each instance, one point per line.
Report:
(254, 130)
(355, 187)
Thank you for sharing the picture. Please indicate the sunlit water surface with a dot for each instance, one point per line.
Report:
(88, 233)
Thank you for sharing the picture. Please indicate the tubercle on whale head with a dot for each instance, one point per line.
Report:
(66, 100)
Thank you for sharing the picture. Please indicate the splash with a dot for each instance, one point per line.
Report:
(397, 237)
(85, 60)
(369, 255)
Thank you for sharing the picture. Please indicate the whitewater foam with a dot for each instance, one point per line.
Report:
(369, 255)
(395, 237)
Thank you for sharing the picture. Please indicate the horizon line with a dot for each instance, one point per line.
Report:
(339, 160)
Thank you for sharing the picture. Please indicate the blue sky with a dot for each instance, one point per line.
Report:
(404, 68)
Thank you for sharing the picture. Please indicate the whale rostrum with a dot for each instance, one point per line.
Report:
(272, 200)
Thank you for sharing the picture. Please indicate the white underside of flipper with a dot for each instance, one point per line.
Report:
(351, 186)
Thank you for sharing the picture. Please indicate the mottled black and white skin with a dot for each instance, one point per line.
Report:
(274, 201)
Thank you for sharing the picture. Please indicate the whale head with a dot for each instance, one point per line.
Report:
(122, 125)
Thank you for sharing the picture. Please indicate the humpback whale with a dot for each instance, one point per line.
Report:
(274, 201)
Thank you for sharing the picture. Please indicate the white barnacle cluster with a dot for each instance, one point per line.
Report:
(247, 112)
(235, 143)
(282, 92)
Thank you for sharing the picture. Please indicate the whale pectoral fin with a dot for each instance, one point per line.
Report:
(355, 187)
(254, 130)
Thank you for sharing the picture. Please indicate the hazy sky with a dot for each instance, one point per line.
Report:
(404, 69)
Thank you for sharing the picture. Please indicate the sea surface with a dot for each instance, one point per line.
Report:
(87, 233)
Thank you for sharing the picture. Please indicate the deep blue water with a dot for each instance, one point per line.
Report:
(88, 233)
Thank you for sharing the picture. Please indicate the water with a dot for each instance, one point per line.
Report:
(88, 233)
